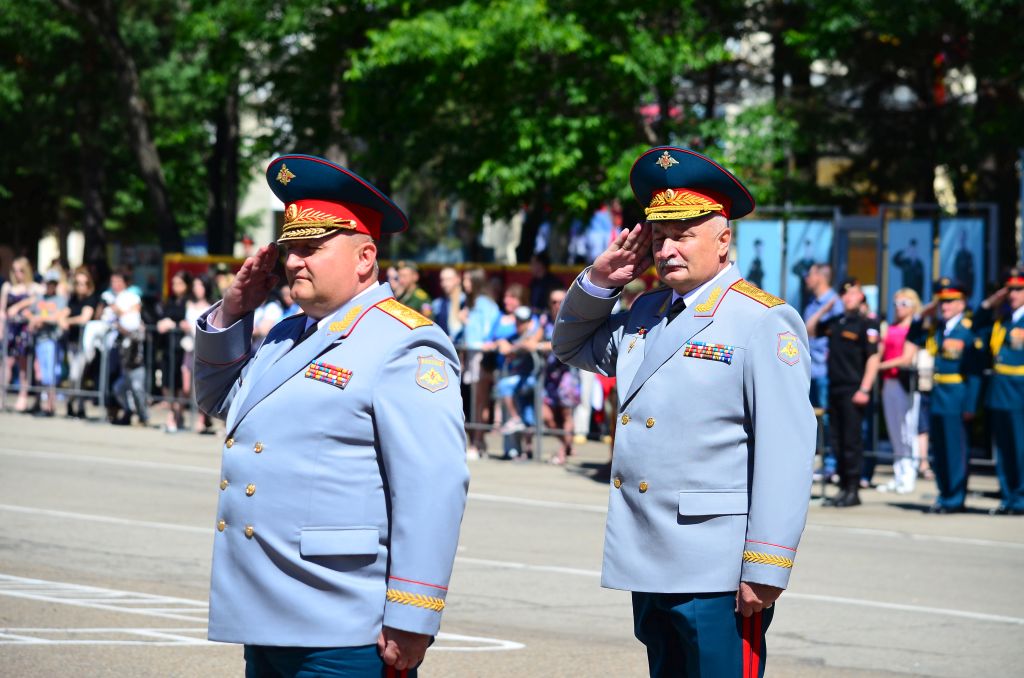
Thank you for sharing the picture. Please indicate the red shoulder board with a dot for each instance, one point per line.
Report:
(757, 294)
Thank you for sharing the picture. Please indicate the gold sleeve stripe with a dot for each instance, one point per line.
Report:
(767, 559)
(415, 599)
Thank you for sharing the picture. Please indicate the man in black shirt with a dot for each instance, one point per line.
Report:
(852, 366)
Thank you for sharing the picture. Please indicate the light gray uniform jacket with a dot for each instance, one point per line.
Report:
(711, 473)
(343, 478)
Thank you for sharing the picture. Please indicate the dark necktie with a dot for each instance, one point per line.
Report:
(675, 309)
(310, 331)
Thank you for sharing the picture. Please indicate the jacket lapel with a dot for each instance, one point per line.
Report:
(667, 339)
(331, 330)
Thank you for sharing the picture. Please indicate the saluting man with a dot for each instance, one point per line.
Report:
(956, 385)
(343, 479)
(712, 466)
(1004, 339)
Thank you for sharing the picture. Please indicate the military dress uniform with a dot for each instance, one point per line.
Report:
(711, 470)
(1004, 398)
(955, 390)
(343, 479)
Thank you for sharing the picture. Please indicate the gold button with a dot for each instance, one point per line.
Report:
(221, 525)
(643, 485)
(249, 531)
(650, 422)
(250, 490)
(617, 483)
(224, 484)
(257, 448)
(229, 442)
(625, 419)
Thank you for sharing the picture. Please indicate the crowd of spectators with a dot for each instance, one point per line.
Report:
(60, 329)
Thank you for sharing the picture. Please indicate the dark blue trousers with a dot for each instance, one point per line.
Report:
(949, 448)
(700, 635)
(1008, 426)
(262, 661)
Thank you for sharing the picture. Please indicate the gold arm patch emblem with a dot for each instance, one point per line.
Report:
(789, 350)
(432, 374)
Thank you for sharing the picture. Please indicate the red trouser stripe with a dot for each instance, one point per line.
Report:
(747, 625)
(755, 669)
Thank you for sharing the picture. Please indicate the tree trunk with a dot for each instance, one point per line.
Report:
(222, 178)
(130, 94)
(91, 175)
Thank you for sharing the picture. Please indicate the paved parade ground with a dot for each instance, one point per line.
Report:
(105, 538)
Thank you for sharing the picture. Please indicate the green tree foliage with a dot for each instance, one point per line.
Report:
(499, 105)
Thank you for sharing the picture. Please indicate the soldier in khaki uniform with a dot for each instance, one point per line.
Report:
(712, 467)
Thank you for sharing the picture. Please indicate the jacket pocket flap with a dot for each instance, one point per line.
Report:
(339, 541)
(713, 503)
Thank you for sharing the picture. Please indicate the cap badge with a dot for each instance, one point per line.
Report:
(666, 161)
(285, 175)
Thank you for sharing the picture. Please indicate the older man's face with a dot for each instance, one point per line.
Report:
(324, 273)
(689, 253)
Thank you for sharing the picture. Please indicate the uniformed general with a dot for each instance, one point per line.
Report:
(955, 389)
(1002, 334)
(343, 479)
(712, 465)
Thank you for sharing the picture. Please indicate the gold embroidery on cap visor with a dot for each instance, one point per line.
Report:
(306, 222)
(673, 204)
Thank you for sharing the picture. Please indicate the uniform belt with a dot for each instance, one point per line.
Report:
(1011, 370)
(948, 378)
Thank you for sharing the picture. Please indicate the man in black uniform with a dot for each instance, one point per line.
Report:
(852, 366)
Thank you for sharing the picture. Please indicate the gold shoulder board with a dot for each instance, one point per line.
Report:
(757, 294)
(404, 314)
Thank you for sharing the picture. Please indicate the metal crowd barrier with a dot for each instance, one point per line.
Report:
(102, 394)
(537, 430)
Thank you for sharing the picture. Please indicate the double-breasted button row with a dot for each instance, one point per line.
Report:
(625, 419)
(257, 448)
(249, 529)
(250, 489)
(617, 482)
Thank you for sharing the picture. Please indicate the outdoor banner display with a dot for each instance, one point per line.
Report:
(807, 243)
(962, 254)
(759, 254)
(909, 259)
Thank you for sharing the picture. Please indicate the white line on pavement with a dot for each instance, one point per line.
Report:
(92, 459)
(86, 596)
(105, 519)
(789, 595)
(503, 499)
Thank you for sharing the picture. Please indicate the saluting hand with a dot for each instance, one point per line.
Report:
(402, 649)
(751, 598)
(251, 286)
(626, 258)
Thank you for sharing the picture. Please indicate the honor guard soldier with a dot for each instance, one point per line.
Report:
(343, 478)
(1004, 341)
(955, 389)
(712, 463)
(852, 367)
